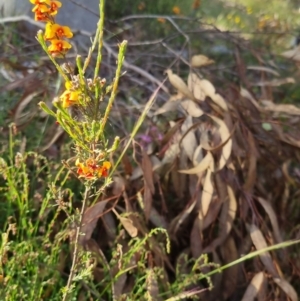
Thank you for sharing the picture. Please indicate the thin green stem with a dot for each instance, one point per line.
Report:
(100, 38)
(99, 57)
(115, 85)
(76, 245)
(249, 256)
(91, 50)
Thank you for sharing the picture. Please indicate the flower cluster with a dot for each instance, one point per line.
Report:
(91, 170)
(45, 10)
(85, 123)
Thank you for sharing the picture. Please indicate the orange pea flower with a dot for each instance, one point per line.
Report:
(54, 6)
(103, 170)
(83, 170)
(90, 170)
(70, 98)
(59, 47)
(41, 12)
(54, 31)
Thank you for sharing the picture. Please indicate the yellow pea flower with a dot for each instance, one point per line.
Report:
(70, 98)
(54, 6)
(59, 47)
(56, 31)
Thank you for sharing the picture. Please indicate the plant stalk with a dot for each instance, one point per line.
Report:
(76, 245)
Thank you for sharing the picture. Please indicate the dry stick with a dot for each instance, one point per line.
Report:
(76, 244)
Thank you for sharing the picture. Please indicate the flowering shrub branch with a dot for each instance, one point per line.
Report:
(83, 95)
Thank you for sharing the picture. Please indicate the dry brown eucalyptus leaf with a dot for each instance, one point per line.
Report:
(147, 171)
(207, 193)
(89, 222)
(220, 101)
(191, 108)
(189, 142)
(225, 136)
(275, 82)
(246, 94)
(179, 84)
(155, 162)
(287, 288)
(229, 254)
(274, 222)
(212, 213)
(196, 238)
(194, 84)
(136, 173)
(202, 166)
(263, 69)
(205, 140)
(281, 108)
(207, 87)
(200, 60)
(118, 185)
(171, 153)
(252, 155)
(198, 155)
(148, 200)
(128, 226)
(260, 243)
(169, 106)
(254, 287)
(232, 204)
(227, 218)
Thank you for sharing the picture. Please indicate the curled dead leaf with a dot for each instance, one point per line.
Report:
(169, 106)
(207, 193)
(225, 138)
(274, 222)
(179, 84)
(128, 226)
(191, 108)
(202, 166)
(188, 142)
(194, 84)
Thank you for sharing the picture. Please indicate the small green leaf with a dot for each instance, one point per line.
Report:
(267, 126)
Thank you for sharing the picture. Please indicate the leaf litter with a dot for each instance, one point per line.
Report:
(218, 176)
